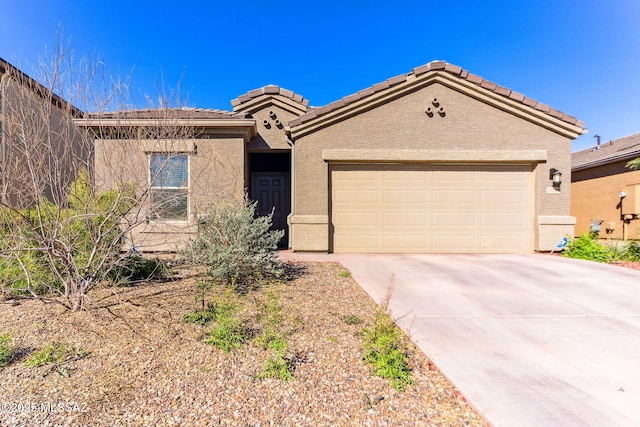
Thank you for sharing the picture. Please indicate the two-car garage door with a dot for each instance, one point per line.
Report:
(405, 208)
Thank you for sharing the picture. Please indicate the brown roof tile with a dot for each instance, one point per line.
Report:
(380, 86)
(351, 98)
(453, 69)
(174, 113)
(474, 79)
(422, 69)
(441, 66)
(516, 96)
(269, 90)
(288, 93)
(366, 92)
(438, 65)
(336, 104)
(555, 113)
(624, 148)
(502, 91)
(542, 107)
(488, 85)
(397, 79)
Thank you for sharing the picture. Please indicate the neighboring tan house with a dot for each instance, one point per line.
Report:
(599, 177)
(41, 150)
(434, 161)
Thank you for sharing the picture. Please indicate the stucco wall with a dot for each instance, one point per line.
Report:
(402, 124)
(216, 174)
(595, 195)
(43, 150)
(271, 136)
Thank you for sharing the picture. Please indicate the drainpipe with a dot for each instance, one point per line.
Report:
(292, 185)
(3, 134)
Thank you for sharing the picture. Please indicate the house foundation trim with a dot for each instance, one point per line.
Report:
(552, 229)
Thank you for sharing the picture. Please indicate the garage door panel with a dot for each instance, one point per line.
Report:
(453, 243)
(453, 175)
(362, 174)
(406, 175)
(406, 243)
(355, 242)
(358, 219)
(404, 196)
(390, 219)
(357, 196)
(447, 197)
(505, 177)
(454, 219)
(432, 208)
(502, 219)
(503, 197)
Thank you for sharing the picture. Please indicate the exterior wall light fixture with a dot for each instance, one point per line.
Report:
(555, 176)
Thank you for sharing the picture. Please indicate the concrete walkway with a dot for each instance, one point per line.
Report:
(529, 340)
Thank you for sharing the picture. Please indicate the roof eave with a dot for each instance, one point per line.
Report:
(246, 127)
(601, 162)
(414, 82)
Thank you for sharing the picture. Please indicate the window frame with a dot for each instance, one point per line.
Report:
(156, 214)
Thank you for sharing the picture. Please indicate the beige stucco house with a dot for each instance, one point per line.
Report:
(599, 177)
(437, 160)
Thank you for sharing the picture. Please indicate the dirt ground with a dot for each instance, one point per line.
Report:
(146, 366)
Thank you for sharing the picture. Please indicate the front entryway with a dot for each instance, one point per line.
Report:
(271, 188)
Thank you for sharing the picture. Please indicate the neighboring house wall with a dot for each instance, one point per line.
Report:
(471, 132)
(595, 196)
(41, 151)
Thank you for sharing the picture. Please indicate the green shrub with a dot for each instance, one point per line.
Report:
(6, 349)
(632, 251)
(276, 366)
(273, 337)
(55, 354)
(270, 318)
(62, 252)
(617, 251)
(383, 350)
(201, 317)
(235, 246)
(344, 273)
(229, 333)
(587, 247)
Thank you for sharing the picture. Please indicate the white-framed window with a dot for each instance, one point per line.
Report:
(169, 179)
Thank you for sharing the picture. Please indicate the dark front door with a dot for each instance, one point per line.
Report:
(271, 191)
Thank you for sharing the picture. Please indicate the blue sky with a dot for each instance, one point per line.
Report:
(580, 57)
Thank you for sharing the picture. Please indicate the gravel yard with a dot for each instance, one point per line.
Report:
(146, 366)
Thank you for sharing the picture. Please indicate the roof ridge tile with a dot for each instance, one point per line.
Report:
(270, 89)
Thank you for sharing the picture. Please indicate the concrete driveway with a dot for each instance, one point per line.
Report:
(529, 340)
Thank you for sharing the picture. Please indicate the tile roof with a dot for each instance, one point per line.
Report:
(443, 67)
(175, 113)
(269, 90)
(609, 152)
